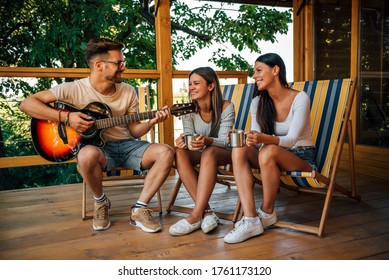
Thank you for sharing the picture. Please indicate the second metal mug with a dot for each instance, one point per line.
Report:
(189, 138)
(237, 138)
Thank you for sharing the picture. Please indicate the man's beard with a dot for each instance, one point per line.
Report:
(114, 79)
(117, 80)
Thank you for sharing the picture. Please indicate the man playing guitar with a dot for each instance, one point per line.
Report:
(106, 63)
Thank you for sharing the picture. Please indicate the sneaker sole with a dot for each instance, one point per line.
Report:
(102, 228)
(241, 240)
(177, 233)
(141, 226)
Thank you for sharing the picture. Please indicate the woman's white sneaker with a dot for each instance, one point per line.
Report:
(245, 229)
(267, 219)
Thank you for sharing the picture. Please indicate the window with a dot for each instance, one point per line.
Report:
(332, 43)
(373, 101)
(332, 39)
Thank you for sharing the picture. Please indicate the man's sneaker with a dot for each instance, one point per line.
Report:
(101, 215)
(266, 220)
(143, 219)
(244, 231)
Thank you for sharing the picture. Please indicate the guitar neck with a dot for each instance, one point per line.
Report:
(120, 120)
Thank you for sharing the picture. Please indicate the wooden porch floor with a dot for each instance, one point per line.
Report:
(46, 223)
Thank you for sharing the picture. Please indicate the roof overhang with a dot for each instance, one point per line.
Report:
(273, 3)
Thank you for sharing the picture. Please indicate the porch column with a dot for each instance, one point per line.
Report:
(303, 40)
(164, 66)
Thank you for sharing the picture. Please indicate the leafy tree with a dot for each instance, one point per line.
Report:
(43, 33)
(55, 33)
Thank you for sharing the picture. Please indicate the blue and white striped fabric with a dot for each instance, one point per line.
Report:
(241, 95)
(328, 105)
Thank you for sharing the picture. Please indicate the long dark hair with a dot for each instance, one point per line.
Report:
(210, 76)
(266, 113)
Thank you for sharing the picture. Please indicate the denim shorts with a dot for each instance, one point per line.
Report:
(125, 153)
(307, 153)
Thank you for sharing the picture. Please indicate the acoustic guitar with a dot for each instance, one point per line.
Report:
(59, 143)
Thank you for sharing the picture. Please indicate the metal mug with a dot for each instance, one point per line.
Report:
(237, 138)
(188, 139)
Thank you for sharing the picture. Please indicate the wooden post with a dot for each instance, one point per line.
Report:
(354, 62)
(303, 40)
(164, 66)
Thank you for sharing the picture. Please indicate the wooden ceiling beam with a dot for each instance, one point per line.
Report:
(273, 3)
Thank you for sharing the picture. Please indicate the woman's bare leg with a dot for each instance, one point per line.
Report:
(272, 160)
(243, 160)
(211, 158)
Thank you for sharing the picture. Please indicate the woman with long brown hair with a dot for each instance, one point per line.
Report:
(279, 140)
(211, 123)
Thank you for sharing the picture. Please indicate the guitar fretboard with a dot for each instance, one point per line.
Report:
(119, 120)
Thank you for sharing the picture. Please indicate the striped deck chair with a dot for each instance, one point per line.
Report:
(120, 177)
(241, 96)
(331, 102)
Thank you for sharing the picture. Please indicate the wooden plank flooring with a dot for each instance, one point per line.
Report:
(45, 223)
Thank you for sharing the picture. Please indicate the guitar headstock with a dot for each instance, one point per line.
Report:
(181, 109)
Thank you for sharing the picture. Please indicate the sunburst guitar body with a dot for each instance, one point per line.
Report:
(59, 143)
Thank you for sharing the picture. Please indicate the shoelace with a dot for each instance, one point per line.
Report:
(147, 214)
(102, 211)
(242, 226)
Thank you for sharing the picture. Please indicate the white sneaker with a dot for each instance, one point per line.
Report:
(267, 221)
(183, 227)
(209, 223)
(243, 231)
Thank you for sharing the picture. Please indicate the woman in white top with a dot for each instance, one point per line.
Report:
(279, 140)
(212, 121)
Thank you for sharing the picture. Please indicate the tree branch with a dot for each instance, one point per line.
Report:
(149, 17)
(202, 37)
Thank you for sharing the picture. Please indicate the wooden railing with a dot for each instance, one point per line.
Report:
(36, 72)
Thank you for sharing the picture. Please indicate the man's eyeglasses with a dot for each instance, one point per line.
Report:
(119, 63)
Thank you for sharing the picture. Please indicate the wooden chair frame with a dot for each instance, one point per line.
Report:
(126, 177)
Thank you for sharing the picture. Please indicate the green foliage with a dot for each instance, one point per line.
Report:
(55, 33)
(43, 33)
(45, 175)
(243, 29)
(14, 124)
